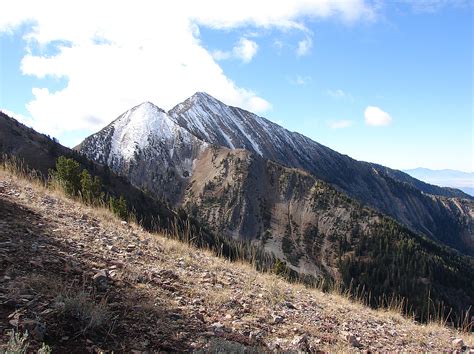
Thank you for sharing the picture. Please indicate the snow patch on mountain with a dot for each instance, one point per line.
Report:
(218, 123)
(133, 129)
(255, 145)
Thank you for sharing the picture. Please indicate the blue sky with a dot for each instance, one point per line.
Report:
(383, 82)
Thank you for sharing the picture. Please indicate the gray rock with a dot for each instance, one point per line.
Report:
(278, 319)
(217, 327)
(101, 280)
(300, 343)
(458, 343)
(289, 305)
(350, 338)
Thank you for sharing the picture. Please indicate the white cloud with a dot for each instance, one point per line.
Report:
(244, 50)
(221, 54)
(339, 94)
(145, 50)
(374, 116)
(340, 124)
(304, 46)
(300, 80)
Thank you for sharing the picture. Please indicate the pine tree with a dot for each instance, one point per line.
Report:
(67, 174)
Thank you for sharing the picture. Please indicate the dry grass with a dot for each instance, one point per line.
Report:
(82, 307)
(192, 265)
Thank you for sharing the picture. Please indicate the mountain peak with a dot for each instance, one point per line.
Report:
(203, 95)
(134, 129)
(148, 106)
(205, 99)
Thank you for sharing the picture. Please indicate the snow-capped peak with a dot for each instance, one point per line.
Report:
(147, 105)
(202, 95)
(217, 123)
(133, 129)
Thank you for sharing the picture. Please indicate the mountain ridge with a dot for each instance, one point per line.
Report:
(210, 123)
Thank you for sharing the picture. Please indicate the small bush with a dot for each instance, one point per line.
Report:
(45, 349)
(81, 307)
(67, 175)
(91, 188)
(18, 343)
(280, 268)
(119, 207)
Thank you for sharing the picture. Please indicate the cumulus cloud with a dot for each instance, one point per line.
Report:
(340, 124)
(244, 50)
(221, 54)
(374, 116)
(114, 54)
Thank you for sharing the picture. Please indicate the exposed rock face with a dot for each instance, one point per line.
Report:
(168, 155)
(297, 217)
(392, 192)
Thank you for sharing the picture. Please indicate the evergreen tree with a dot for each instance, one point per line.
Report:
(91, 188)
(67, 174)
(119, 206)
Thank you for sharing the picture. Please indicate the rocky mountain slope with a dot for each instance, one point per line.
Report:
(395, 194)
(36, 154)
(39, 152)
(164, 164)
(80, 280)
(314, 228)
(318, 230)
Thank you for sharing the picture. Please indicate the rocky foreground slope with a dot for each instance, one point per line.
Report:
(80, 280)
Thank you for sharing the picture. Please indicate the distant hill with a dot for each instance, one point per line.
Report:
(445, 178)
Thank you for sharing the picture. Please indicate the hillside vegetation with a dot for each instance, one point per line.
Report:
(77, 278)
(321, 233)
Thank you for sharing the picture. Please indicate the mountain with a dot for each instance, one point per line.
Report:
(79, 280)
(420, 206)
(232, 127)
(422, 185)
(313, 230)
(37, 153)
(159, 152)
(163, 162)
(448, 178)
(149, 148)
